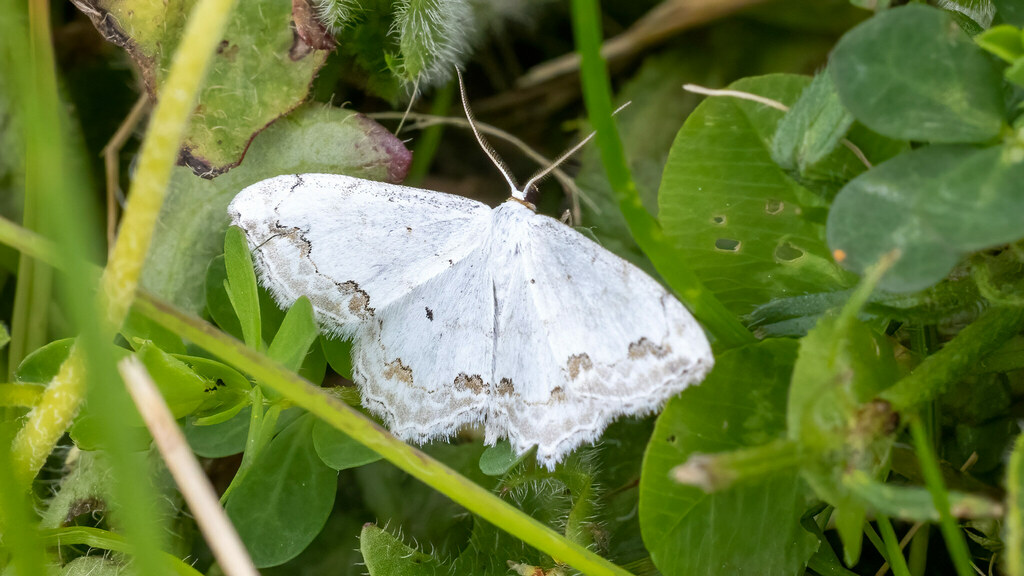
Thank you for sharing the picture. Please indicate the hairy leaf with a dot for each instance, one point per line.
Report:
(314, 138)
(386, 555)
(261, 71)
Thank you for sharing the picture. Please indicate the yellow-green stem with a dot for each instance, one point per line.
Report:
(159, 153)
(52, 416)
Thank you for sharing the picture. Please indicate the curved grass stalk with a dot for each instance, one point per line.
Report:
(646, 230)
(341, 416)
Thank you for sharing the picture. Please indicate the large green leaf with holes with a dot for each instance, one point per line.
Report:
(261, 70)
(748, 230)
(689, 532)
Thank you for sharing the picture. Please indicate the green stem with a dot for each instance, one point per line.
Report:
(34, 285)
(714, 472)
(892, 546)
(876, 540)
(262, 424)
(341, 416)
(933, 480)
(956, 359)
(918, 561)
(723, 325)
(27, 242)
(17, 522)
(104, 540)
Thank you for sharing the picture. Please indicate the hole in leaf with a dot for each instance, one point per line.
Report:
(786, 252)
(718, 220)
(774, 207)
(671, 439)
(727, 244)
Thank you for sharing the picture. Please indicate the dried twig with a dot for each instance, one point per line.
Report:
(772, 104)
(660, 23)
(199, 494)
(111, 161)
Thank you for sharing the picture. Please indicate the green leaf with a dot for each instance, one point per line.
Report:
(260, 72)
(314, 365)
(313, 138)
(338, 450)
(812, 128)
(934, 205)
(386, 555)
(849, 516)
(285, 498)
(42, 364)
(222, 439)
(910, 73)
(95, 566)
(1005, 41)
(241, 286)
(137, 326)
(213, 371)
(218, 304)
(749, 232)
(181, 387)
(227, 390)
(741, 404)
(841, 366)
(1013, 535)
(339, 355)
(499, 459)
(297, 332)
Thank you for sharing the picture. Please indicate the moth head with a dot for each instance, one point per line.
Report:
(517, 192)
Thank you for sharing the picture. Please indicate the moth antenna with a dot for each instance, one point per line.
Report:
(536, 178)
(484, 144)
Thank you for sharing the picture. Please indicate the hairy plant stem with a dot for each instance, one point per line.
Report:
(723, 325)
(714, 472)
(956, 359)
(341, 416)
(60, 402)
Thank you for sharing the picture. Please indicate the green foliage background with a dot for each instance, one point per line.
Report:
(846, 222)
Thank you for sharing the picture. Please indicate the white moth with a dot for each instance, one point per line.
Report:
(463, 314)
